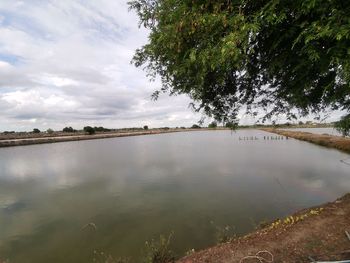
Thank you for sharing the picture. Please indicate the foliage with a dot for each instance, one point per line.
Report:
(195, 126)
(68, 129)
(145, 127)
(231, 125)
(343, 126)
(35, 130)
(9, 132)
(213, 125)
(101, 129)
(101, 257)
(223, 234)
(89, 130)
(281, 56)
(49, 131)
(159, 251)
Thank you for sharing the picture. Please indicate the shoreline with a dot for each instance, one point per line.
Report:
(81, 137)
(317, 233)
(329, 141)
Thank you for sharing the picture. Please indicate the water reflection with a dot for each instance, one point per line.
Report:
(135, 188)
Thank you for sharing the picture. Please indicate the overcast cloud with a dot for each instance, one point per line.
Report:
(67, 63)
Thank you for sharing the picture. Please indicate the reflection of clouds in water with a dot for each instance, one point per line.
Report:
(323, 183)
(53, 173)
(7, 201)
(21, 169)
(315, 184)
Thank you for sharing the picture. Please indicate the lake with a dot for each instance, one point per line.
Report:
(133, 189)
(329, 130)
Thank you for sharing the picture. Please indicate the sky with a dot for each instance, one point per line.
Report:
(67, 63)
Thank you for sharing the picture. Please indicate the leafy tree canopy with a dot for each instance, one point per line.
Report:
(279, 55)
(89, 130)
(343, 125)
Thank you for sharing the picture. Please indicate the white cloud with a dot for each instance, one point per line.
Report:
(68, 62)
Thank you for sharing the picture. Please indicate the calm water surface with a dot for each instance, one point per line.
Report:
(136, 188)
(330, 131)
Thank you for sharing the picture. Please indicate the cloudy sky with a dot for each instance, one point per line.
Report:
(67, 63)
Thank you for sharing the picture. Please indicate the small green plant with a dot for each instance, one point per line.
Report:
(224, 234)
(159, 251)
(190, 252)
(49, 131)
(101, 257)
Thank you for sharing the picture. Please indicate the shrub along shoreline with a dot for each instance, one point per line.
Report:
(330, 141)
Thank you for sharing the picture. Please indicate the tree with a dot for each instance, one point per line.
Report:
(49, 131)
(281, 56)
(68, 129)
(213, 125)
(36, 130)
(343, 126)
(195, 126)
(145, 127)
(89, 130)
(231, 125)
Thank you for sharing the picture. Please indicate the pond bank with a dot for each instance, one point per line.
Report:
(318, 232)
(80, 137)
(337, 142)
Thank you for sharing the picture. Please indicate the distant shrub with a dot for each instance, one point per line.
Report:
(35, 130)
(195, 126)
(101, 129)
(145, 127)
(8, 132)
(49, 131)
(213, 125)
(89, 130)
(182, 127)
(68, 129)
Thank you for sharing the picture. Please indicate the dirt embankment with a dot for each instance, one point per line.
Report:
(311, 234)
(80, 137)
(42, 138)
(337, 142)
